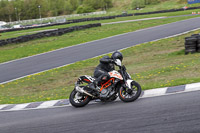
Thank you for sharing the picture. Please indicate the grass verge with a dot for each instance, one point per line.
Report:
(31, 31)
(155, 64)
(16, 51)
(126, 5)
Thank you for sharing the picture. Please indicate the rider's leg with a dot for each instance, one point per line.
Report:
(98, 74)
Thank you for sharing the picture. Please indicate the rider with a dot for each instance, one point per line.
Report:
(106, 65)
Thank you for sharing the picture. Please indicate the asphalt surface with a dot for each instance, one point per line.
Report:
(34, 64)
(177, 113)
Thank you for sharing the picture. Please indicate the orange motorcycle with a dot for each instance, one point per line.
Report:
(119, 85)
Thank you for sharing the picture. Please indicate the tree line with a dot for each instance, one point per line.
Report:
(32, 9)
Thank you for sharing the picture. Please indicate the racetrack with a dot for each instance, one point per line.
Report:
(26, 66)
(178, 113)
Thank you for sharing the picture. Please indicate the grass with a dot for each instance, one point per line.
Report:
(31, 31)
(16, 51)
(125, 5)
(154, 65)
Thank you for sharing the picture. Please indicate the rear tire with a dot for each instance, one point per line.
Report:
(78, 100)
(127, 95)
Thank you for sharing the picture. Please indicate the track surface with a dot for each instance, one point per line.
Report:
(34, 64)
(177, 113)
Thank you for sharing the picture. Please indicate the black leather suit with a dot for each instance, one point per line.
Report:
(106, 65)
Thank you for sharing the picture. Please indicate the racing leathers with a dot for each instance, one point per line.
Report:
(101, 72)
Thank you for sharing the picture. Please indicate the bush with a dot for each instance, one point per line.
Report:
(84, 9)
(138, 4)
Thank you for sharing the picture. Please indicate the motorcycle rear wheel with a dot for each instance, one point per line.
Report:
(130, 95)
(78, 100)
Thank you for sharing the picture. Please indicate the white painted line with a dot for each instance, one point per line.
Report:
(36, 73)
(94, 41)
(20, 106)
(27, 109)
(147, 94)
(155, 92)
(47, 104)
(127, 21)
(91, 42)
(168, 94)
(2, 106)
(192, 87)
(86, 59)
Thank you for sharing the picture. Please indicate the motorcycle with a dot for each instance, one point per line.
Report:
(119, 85)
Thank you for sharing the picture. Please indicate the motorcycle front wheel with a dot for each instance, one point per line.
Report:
(78, 99)
(130, 95)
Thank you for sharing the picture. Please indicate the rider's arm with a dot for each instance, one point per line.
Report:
(106, 59)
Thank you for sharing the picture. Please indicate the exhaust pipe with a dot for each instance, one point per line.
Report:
(79, 89)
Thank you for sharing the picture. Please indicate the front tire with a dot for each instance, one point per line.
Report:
(78, 99)
(130, 95)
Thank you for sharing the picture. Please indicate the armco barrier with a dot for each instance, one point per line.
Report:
(57, 32)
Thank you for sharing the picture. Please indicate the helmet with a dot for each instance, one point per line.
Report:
(117, 55)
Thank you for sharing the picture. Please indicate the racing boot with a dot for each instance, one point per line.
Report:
(94, 86)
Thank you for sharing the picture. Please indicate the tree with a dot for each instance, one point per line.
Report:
(2, 10)
(10, 11)
(74, 4)
(18, 5)
(84, 9)
(28, 9)
(106, 4)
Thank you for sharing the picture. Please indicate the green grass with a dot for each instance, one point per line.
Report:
(125, 5)
(16, 51)
(154, 65)
(120, 6)
(31, 31)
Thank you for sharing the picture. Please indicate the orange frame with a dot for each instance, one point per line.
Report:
(108, 83)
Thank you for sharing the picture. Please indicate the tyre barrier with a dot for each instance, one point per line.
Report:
(165, 11)
(68, 22)
(98, 18)
(27, 28)
(57, 32)
(192, 44)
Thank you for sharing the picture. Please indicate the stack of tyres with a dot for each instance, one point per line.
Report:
(198, 44)
(197, 36)
(57, 32)
(190, 45)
